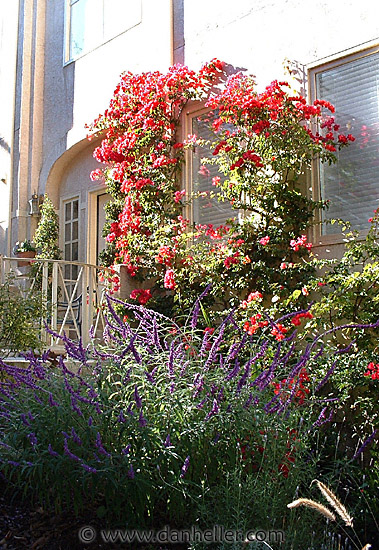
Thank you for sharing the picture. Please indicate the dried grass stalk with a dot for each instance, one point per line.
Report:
(314, 505)
(367, 547)
(335, 503)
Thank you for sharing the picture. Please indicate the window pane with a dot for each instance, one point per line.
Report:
(86, 26)
(207, 210)
(67, 211)
(352, 184)
(67, 232)
(74, 256)
(75, 231)
(75, 210)
(67, 252)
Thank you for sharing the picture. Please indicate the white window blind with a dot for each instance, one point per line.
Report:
(352, 184)
(207, 210)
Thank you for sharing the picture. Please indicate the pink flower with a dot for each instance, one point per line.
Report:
(283, 265)
(264, 240)
(96, 174)
(178, 195)
(140, 294)
(169, 279)
(305, 291)
(216, 180)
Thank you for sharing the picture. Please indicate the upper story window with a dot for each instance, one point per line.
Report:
(207, 209)
(352, 184)
(93, 22)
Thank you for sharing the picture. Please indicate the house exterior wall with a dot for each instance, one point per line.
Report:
(48, 104)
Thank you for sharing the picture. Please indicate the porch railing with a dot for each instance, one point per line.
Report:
(72, 295)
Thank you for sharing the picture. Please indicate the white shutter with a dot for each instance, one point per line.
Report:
(352, 184)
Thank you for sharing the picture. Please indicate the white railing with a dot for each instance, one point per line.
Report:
(71, 305)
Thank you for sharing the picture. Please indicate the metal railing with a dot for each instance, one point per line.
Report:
(71, 305)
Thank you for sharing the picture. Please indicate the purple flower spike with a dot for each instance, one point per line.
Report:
(121, 418)
(126, 451)
(167, 442)
(363, 447)
(184, 469)
(51, 451)
(137, 398)
(131, 474)
(142, 420)
(88, 468)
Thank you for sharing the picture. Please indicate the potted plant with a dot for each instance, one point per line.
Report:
(24, 249)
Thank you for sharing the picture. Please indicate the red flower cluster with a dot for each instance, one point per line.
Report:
(296, 244)
(165, 255)
(286, 387)
(372, 371)
(142, 295)
(254, 324)
(279, 331)
(296, 318)
(253, 296)
(169, 279)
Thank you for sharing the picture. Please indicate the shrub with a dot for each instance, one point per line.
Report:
(263, 145)
(170, 424)
(20, 319)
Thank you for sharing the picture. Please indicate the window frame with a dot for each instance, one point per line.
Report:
(313, 69)
(67, 58)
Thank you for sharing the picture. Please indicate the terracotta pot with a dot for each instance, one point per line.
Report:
(27, 254)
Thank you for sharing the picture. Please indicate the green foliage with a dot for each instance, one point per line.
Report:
(20, 319)
(47, 233)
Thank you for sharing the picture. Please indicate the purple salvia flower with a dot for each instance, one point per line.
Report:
(327, 376)
(196, 308)
(121, 418)
(126, 450)
(167, 442)
(184, 367)
(215, 347)
(216, 437)
(184, 469)
(131, 474)
(248, 401)
(202, 402)
(99, 445)
(90, 421)
(150, 377)
(69, 453)
(142, 420)
(75, 437)
(32, 438)
(129, 410)
(50, 449)
(75, 407)
(25, 420)
(215, 410)
(363, 447)
(13, 463)
(235, 370)
(322, 418)
(171, 360)
(137, 398)
(127, 377)
(88, 468)
(172, 387)
(52, 403)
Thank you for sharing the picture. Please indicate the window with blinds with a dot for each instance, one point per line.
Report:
(352, 184)
(207, 209)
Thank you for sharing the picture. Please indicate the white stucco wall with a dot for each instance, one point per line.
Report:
(258, 35)
(8, 50)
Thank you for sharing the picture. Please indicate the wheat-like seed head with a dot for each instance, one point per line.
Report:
(335, 503)
(314, 505)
